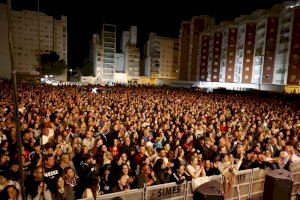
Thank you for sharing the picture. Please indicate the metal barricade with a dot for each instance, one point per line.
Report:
(189, 191)
(241, 188)
(258, 181)
(189, 187)
(136, 194)
(170, 191)
(295, 170)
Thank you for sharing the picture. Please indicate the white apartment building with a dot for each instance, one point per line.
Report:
(161, 57)
(119, 62)
(32, 31)
(131, 54)
(124, 40)
(97, 56)
(285, 71)
(108, 41)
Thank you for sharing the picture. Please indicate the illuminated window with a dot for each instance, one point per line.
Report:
(246, 77)
(229, 77)
(247, 60)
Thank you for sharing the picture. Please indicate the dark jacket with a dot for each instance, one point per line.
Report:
(68, 194)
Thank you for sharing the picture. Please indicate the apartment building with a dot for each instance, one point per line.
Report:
(287, 59)
(108, 41)
(35, 33)
(189, 39)
(131, 54)
(161, 57)
(96, 56)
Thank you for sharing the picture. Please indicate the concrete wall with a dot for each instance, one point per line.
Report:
(5, 65)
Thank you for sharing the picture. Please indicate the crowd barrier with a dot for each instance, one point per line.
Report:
(248, 183)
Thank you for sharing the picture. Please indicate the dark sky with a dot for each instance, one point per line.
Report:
(164, 17)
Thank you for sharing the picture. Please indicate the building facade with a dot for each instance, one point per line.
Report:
(197, 25)
(288, 46)
(184, 38)
(108, 41)
(119, 62)
(35, 33)
(131, 54)
(96, 56)
(161, 57)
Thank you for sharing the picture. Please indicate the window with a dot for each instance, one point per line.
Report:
(268, 68)
(247, 69)
(217, 42)
(246, 77)
(231, 53)
(216, 63)
(230, 61)
(247, 60)
(229, 76)
(216, 56)
(204, 50)
(230, 69)
(203, 57)
(215, 70)
(249, 42)
(248, 51)
(293, 78)
(203, 64)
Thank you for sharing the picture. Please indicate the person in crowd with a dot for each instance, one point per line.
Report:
(146, 177)
(162, 172)
(63, 191)
(194, 169)
(180, 176)
(122, 184)
(71, 180)
(10, 192)
(92, 189)
(52, 172)
(137, 126)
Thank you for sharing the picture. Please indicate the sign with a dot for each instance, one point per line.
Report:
(166, 191)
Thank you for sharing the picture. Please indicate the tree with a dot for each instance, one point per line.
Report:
(51, 64)
(87, 69)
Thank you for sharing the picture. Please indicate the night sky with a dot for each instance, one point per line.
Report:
(164, 17)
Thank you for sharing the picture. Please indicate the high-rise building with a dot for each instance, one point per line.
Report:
(131, 54)
(97, 56)
(287, 62)
(108, 41)
(184, 39)
(35, 33)
(245, 50)
(228, 54)
(124, 40)
(119, 62)
(197, 25)
(265, 46)
(189, 39)
(161, 57)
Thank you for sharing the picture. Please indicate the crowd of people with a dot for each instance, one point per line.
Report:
(79, 144)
